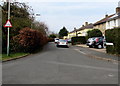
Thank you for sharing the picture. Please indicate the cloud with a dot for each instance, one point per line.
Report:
(59, 14)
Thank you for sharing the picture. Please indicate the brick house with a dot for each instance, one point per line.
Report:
(101, 24)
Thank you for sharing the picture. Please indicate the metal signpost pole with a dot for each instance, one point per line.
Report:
(8, 38)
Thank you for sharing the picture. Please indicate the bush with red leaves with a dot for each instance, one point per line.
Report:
(28, 40)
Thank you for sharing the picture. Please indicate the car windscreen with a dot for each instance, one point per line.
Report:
(62, 40)
(56, 39)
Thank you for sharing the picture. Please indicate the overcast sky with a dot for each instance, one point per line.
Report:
(70, 13)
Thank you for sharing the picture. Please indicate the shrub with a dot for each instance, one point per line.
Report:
(50, 39)
(28, 40)
(78, 40)
(113, 36)
(94, 33)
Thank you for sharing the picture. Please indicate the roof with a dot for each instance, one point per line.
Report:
(83, 27)
(103, 20)
(86, 27)
(72, 31)
(114, 17)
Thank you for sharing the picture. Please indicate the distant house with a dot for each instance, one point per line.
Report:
(71, 34)
(101, 24)
(114, 21)
(82, 31)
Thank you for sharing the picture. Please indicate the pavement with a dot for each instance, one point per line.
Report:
(99, 50)
(102, 55)
(54, 65)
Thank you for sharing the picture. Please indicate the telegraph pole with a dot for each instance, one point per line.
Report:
(8, 37)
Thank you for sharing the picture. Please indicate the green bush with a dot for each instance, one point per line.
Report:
(78, 40)
(113, 36)
(94, 33)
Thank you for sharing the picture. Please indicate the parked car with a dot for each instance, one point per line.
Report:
(96, 42)
(90, 42)
(56, 40)
(62, 43)
(69, 41)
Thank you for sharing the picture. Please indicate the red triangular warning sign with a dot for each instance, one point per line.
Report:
(8, 24)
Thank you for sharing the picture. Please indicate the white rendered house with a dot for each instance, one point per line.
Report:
(114, 21)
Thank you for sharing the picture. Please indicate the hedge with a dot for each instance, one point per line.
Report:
(28, 40)
(78, 40)
(113, 36)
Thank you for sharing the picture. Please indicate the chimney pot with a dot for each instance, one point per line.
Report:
(106, 15)
(86, 23)
(118, 10)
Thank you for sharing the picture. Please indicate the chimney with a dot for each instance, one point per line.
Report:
(75, 29)
(86, 23)
(106, 15)
(82, 25)
(118, 8)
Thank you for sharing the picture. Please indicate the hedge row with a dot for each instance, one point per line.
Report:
(78, 40)
(113, 36)
(28, 40)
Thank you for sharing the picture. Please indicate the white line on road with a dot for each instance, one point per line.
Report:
(80, 51)
(83, 66)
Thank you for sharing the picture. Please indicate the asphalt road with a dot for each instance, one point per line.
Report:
(60, 66)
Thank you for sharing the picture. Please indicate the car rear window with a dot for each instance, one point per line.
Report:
(62, 40)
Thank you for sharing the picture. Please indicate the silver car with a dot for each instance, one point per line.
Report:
(62, 43)
(90, 42)
(56, 40)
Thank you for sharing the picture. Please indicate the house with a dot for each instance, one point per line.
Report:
(114, 21)
(101, 24)
(71, 34)
(82, 31)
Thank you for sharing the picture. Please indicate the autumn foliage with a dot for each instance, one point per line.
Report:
(28, 40)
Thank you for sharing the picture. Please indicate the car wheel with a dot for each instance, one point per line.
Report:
(99, 46)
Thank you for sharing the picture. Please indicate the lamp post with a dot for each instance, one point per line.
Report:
(8, 37)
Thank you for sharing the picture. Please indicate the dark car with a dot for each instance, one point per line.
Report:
(69, 41)
(96, 42)
(99, 42)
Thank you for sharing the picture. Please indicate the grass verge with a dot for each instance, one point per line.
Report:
(12, 56)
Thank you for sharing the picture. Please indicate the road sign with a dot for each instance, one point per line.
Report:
(8, 24)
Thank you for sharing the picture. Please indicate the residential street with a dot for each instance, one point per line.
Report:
(73, 65)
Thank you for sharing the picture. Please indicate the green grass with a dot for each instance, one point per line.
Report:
(14, 55)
